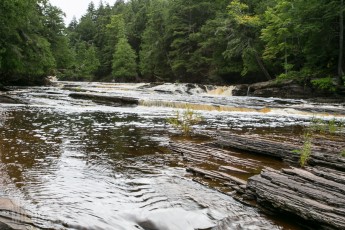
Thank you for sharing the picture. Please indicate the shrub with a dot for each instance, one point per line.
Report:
(342, 153)
(305, 151)
(185, 120)
(325, 84)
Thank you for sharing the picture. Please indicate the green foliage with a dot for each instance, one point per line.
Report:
(305, 151)
(185, 19)
(154, 65)
(176, 40)
(124, 61)
(117, 25)
(301, 34)
(342, 153)
(185, 121)
(331, 127)
(325, 84)
(25, 52)
(243, 41)
(86, 61)
(318, 126)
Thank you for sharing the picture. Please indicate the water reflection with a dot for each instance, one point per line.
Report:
(97, 170)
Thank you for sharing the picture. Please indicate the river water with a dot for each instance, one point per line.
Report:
(76, 164)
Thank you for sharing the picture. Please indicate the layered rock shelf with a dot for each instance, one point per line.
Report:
(9, 100)
(315, 195)
(214, 163)
(104, 99)
(326, 156)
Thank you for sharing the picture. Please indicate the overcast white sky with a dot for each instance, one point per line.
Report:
(76, 7)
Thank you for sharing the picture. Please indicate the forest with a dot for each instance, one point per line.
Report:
(201, 41)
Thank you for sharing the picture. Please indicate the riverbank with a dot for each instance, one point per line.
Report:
(288, 89)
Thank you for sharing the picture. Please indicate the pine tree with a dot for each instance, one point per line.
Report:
(25, 51)
(124, 61)
(154, 63)
(186, 17)
(124, 64)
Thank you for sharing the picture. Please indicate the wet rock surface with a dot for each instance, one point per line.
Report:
(325, 155)
(314, 194)
(240, 90)
(286, 89)
(9, 100)
(13, 217)
(113, 100)
(77, 164)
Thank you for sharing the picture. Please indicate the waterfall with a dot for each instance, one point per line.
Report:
(248, 91)
(222, 91)
(203, 107)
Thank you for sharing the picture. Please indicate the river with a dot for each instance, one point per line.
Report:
(77, 164)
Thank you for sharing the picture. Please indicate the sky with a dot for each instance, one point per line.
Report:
(76, 8)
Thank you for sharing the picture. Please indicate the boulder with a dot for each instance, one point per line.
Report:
(240, 90)
(283, 89)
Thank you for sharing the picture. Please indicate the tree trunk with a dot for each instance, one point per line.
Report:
(341, 44)
(262, 66)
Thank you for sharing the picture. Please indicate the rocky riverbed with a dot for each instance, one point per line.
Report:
(99, 155)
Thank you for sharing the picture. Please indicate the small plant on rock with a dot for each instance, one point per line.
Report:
(342, 153)
(305, 151)
(185, 120)
(318, 126)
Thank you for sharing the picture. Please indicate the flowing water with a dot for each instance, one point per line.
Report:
(75, 164)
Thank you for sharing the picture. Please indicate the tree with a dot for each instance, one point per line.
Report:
(341, 44)
(185, 20)
(124, 61)
(25, 52)
(243, 40)
(303, 36)
(86, 61)
(55, 31)
(154, 60)
(136, 18)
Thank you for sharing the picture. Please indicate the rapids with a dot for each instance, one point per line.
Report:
(76, 164)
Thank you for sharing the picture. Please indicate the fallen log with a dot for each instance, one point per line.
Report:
(113, 100)
(310, 194)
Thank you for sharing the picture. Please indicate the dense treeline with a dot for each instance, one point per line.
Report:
(177, 40)
(33, 42)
